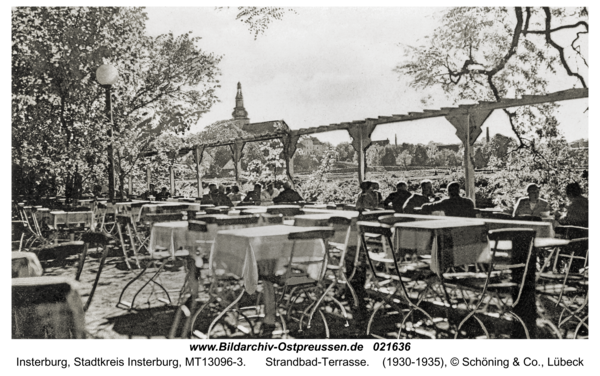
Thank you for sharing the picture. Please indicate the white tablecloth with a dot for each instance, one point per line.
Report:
(449, 242)
(243, 252)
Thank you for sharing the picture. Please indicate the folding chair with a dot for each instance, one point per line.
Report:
(512, 292)
(296, 283)
(566, 284)
(389, 287)
(335, 271)
(158, 258)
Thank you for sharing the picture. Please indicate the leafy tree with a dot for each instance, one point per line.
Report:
(493, 53)
(60, 132)
(404, 159)
(485, 54)
(420, 157)
(345, 152)
(258, 19)
(58, 126)
(388, 158)
(374, 155)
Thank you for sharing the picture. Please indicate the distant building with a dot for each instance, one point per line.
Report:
(381, 142)
(578, 144)
(452, 147)
(312, 145)
(242, 121)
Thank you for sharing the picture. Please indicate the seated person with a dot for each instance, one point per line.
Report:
(235, 194)
(531, 205)
(287, 195)
(211, 195)
(376, 192)
(255, 195)
(454, 205)
(367, 199)
(577, 211)
(417, 200)
(398, 198)
(221, 198)
(267, 196)
(151, 192)
(163, 195)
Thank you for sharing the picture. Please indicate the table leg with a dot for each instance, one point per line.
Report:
(269, 301)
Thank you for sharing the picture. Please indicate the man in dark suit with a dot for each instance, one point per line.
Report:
(398, 198)
(454, 205)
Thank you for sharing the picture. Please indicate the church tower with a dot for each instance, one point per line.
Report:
(239, 112)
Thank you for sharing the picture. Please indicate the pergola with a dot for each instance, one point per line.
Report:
(467, 119)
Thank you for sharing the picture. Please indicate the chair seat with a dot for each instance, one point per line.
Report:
(559, 276)
(555, 288)
(160, 254)
(303, 280)
(380, 257)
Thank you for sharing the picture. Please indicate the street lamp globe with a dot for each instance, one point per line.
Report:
(107, 75)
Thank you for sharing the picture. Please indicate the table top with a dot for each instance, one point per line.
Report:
(320, 216)
(505, 245)
(176, 224)
(434, 225)
(265, 231)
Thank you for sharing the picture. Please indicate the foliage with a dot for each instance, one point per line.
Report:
(57, 120)
(258, 19)
(60, 128)
(493, 53)
(270, 168)
(315, 188)
(404, 159)
(345, 151)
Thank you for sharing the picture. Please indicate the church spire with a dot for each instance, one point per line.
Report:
(239, 112)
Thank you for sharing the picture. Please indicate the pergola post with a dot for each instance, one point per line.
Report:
(172, 179)
(130, 185)
(148, 178)
(172, 157)
(198, 153)
(361, 140)
(236, 150)
(290, 142)
(468, 128)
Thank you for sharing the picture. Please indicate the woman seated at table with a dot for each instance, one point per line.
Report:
(454, 205)
(532, 204)
(577, 210)
(367, 199)
(235, 194)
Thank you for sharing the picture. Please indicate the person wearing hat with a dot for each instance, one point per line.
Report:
(532, 204)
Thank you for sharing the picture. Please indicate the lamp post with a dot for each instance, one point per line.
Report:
(107, 75)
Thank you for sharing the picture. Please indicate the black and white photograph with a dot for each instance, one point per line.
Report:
(356, 173)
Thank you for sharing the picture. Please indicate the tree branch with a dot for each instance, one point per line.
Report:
(560, 50)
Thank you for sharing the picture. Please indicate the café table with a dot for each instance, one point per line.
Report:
(241, 251)
(322, 219)
(542, 229)
(165, 207)
(62, 218)
(451, 242)
(286, 210)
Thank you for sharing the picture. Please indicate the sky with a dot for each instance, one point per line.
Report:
(328, 65)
